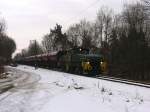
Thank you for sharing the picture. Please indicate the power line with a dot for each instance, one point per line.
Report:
(91, 5)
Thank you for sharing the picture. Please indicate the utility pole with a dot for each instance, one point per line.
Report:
(35, 46)
(35, 52)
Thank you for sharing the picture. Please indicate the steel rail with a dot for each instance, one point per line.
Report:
(124, 81)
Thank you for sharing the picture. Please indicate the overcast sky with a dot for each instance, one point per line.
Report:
(31, 19)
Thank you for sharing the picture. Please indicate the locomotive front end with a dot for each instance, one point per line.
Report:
(93, 65)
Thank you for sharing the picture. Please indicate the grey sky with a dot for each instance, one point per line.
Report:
(31, 19)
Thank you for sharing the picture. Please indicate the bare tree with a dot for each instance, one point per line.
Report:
(47, 42)
(100, 24)
(104, 22)
(85, 33)
(2, 26)
(34, 48)
(24, 52)
(147, 5)
(60, 39)
(73, 35)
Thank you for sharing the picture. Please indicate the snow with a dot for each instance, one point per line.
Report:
(62, 92)
(74, 102)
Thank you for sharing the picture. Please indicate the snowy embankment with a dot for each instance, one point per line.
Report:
(63, 92)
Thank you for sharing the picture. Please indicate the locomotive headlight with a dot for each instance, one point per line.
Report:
(86, 66)
(87, 62)
(101, 62)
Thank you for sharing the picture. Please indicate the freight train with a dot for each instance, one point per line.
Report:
(76, 60)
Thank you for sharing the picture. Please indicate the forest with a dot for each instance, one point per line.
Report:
(7, 46)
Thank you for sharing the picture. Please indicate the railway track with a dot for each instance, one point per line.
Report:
(124, 81)
(114, 79)
(120, 80)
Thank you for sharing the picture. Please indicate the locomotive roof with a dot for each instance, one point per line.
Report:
(91, 55)
(94, 55)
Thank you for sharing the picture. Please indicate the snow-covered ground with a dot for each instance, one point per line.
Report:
(63, 92)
